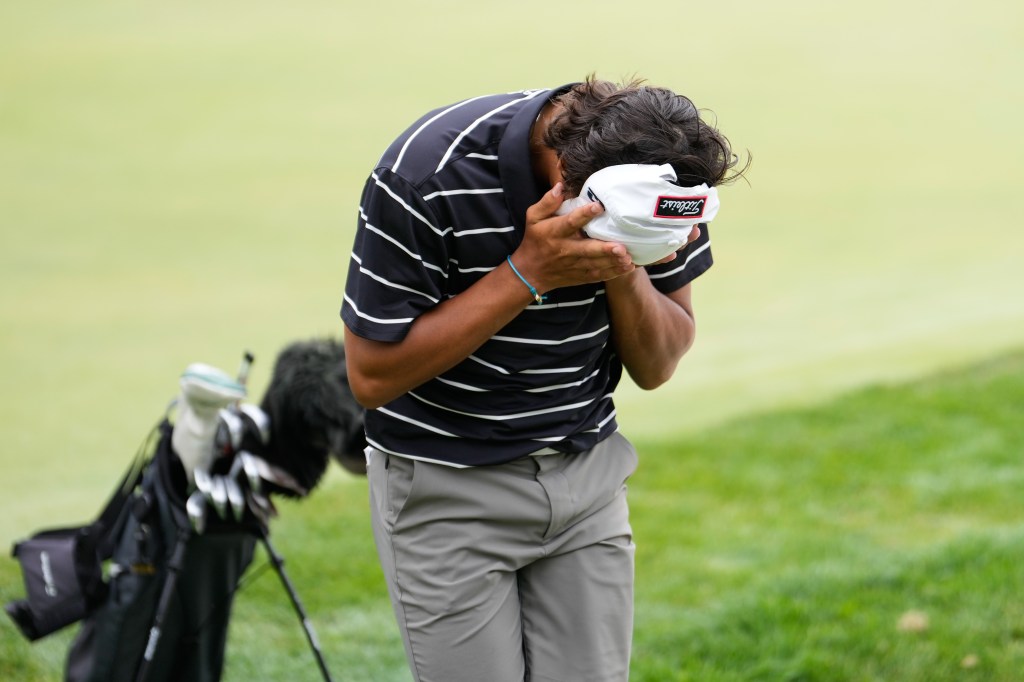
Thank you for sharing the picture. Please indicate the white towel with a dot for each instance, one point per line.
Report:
(643, 209)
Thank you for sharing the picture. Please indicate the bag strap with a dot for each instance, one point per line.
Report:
(101, 530)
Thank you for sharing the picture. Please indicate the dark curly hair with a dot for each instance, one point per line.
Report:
(599, 123)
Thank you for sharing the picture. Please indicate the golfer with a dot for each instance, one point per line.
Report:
(486, 333)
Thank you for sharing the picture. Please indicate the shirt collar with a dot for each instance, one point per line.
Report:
(521, 188)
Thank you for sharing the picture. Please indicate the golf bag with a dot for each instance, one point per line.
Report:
(61, 567)
(181, 529)
(155, 545)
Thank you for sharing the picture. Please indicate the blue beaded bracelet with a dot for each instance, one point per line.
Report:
(536, 296)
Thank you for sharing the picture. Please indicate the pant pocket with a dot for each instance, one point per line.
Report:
(624, 453)
(400, 477)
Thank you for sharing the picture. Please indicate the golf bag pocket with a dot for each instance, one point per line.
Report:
(63, 580)
(110, 642)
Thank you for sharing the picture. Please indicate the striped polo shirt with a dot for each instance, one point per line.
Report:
(445, 205)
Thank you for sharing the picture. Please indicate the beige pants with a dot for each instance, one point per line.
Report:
(521, 571)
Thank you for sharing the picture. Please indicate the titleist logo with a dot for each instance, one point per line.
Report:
(680, 207)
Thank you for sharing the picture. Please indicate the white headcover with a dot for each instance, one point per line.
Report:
(204, 391)
(643, 209)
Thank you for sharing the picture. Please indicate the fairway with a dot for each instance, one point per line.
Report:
(180, 182)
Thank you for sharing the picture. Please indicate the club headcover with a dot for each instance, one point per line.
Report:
(205, 390)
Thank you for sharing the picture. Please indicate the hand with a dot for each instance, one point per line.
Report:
(555, 253)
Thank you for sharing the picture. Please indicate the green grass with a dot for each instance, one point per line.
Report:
(787, 546)
(841, 622)
(780, 546)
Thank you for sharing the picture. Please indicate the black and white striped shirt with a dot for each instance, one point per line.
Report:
(445, 205)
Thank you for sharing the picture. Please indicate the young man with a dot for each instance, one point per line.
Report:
(486, 335)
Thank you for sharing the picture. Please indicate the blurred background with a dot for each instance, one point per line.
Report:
(179, 183)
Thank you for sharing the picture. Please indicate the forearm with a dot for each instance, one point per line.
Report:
(553, 254)
(438, 340)
(651, 331)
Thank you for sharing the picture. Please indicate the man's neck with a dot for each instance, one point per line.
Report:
(543, 157)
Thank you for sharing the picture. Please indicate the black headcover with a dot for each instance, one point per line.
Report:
(312, 411)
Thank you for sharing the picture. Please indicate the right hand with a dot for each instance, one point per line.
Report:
(556, 253)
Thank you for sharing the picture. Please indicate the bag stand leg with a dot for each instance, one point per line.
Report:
(307, 626)
(174, 567)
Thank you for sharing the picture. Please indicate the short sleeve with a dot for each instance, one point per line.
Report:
(689, 264)
(399, 262)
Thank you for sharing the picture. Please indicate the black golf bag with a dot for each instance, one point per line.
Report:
(156, 549)
(161, 614)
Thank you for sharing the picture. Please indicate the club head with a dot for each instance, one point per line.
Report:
(252, 471)
(262, 508)
(259, 418)
(203, 481)
(236, 468)
(195, 505)
(278, 477)
(233, 430)
(236, 499)
(219, 496)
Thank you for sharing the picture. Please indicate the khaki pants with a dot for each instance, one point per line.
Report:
(521, 571)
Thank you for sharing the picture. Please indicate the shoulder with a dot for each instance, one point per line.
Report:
(446, 134)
